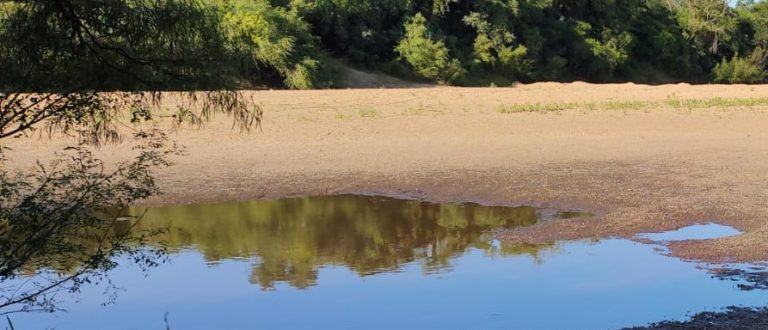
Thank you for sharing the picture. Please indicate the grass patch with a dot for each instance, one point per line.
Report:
(421, 110)
(359, 113)
(538, 107)
(340, 115)
(623, 105)
(367, 113)
(718, 102)
(689, 104)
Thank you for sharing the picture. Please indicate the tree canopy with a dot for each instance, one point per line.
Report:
(292, 43)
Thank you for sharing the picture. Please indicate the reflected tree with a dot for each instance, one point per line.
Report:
(290, 239)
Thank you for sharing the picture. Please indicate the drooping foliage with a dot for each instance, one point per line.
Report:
(194, 45)
(274, 42)
(69, 45)
(60, 223)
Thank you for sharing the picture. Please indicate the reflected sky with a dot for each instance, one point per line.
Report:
(698, 231)
(389, 264)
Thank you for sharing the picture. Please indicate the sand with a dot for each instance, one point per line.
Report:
(639, 169)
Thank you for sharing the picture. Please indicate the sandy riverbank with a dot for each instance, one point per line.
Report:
(640, 163)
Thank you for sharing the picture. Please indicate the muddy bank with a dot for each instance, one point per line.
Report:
(644, 168)
(733, 318)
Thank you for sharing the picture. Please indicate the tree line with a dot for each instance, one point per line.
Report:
(297, 43)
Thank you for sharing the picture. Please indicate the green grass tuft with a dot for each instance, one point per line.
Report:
(673, 103)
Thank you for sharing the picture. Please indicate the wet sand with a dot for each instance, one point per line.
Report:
(732, 318)
(639, 169)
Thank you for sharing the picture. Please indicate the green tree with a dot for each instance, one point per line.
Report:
(361, 31)
(708, 22)
(277, 39)
(426, 53)
(495, 46)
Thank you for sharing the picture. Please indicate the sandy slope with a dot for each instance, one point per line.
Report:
(641, 170)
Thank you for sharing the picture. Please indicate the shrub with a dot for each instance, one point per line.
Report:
(745, 70)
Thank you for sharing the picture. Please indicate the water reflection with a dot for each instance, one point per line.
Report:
(291, 238)
(435, 266)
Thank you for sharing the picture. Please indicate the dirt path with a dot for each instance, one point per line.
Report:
(638, 161)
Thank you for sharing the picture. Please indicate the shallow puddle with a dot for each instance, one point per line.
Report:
(698, 231)
(380, 263)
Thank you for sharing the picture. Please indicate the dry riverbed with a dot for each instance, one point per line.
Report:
(643, 158)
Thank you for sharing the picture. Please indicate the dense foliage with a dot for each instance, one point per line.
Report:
(291, 42)
(471, 42)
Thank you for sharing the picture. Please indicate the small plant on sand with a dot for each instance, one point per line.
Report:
(340, 115)
(367, 113)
